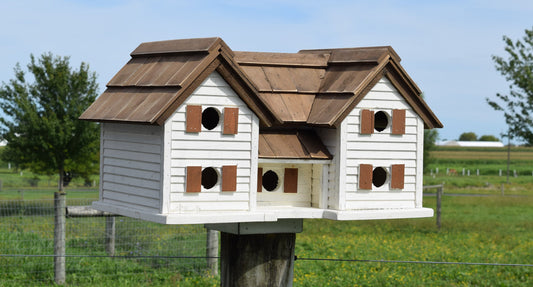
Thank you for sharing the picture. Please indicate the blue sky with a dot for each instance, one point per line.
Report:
(445, 46)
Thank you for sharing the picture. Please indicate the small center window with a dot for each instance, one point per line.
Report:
(210, 118)
(381, 121)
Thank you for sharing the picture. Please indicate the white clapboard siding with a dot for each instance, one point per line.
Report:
(209, 197)
(180, 163)
(354, 163)
(141, 191)
(212, 135)
(381, 149)
(316, 185)
(219, 152)
(243, 127)
(353, 187)
(330, 138)
(176, 187)
(132, 164)
(365, 146)
(131, 168)
(211, 148)
(303, 195)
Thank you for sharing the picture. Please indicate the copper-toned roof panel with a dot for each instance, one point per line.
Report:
(280, 79)
(184, 68)
(285, 146)
(129, 104)
(353, 55)
(264, 148)
(289, 107)
(285, 79)
(151, 65)
(276, 104)
(164, 69)
(127, 71)
(292, 145)
(298, 105)
(345, 78)
(157, 71)
(307, 80)
(327, 107)
(315, 87)
(258, 77)
(314, 146)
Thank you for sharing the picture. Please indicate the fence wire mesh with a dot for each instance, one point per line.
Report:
(142, 251)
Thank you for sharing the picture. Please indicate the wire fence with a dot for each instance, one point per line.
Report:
(142, 251)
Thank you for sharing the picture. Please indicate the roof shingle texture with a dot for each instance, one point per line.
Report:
(308, 88)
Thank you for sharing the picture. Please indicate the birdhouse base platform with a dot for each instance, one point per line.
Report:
(265, 214)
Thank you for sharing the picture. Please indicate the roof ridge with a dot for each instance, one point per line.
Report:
(180, 46)
(281, 59)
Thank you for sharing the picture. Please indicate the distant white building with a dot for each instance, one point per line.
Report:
(471, 144)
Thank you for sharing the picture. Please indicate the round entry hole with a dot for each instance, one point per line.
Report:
(381, 121)
(270, 180)
(209, 177)
(379, 176)
(210, 118)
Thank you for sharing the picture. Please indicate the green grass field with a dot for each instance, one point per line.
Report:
(475, 229)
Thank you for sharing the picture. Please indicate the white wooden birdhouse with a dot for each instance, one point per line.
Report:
(193, 132)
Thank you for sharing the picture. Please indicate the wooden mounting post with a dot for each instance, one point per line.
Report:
(257, 254)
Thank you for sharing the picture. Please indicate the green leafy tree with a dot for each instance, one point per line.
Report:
(430, 140)
(489, 138)
(470, 136)
(517, 68)
(40, 121)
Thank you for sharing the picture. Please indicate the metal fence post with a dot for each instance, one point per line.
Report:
(212, 251)
(110, 235)
(439, 197)
(59, 237)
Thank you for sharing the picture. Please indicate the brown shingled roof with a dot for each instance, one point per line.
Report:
(294, 144)
(320, 87)
(161, 75)
(311, 87)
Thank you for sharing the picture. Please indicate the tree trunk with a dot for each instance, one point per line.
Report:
(60, 183)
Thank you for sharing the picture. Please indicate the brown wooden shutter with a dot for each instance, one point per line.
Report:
(397, 176)
(194, 179)
(367, 122)
(365, 176)
(194, 119)
(229, 178)
(290, 184)
(231, 121)
(260, 179)
(398, 122)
